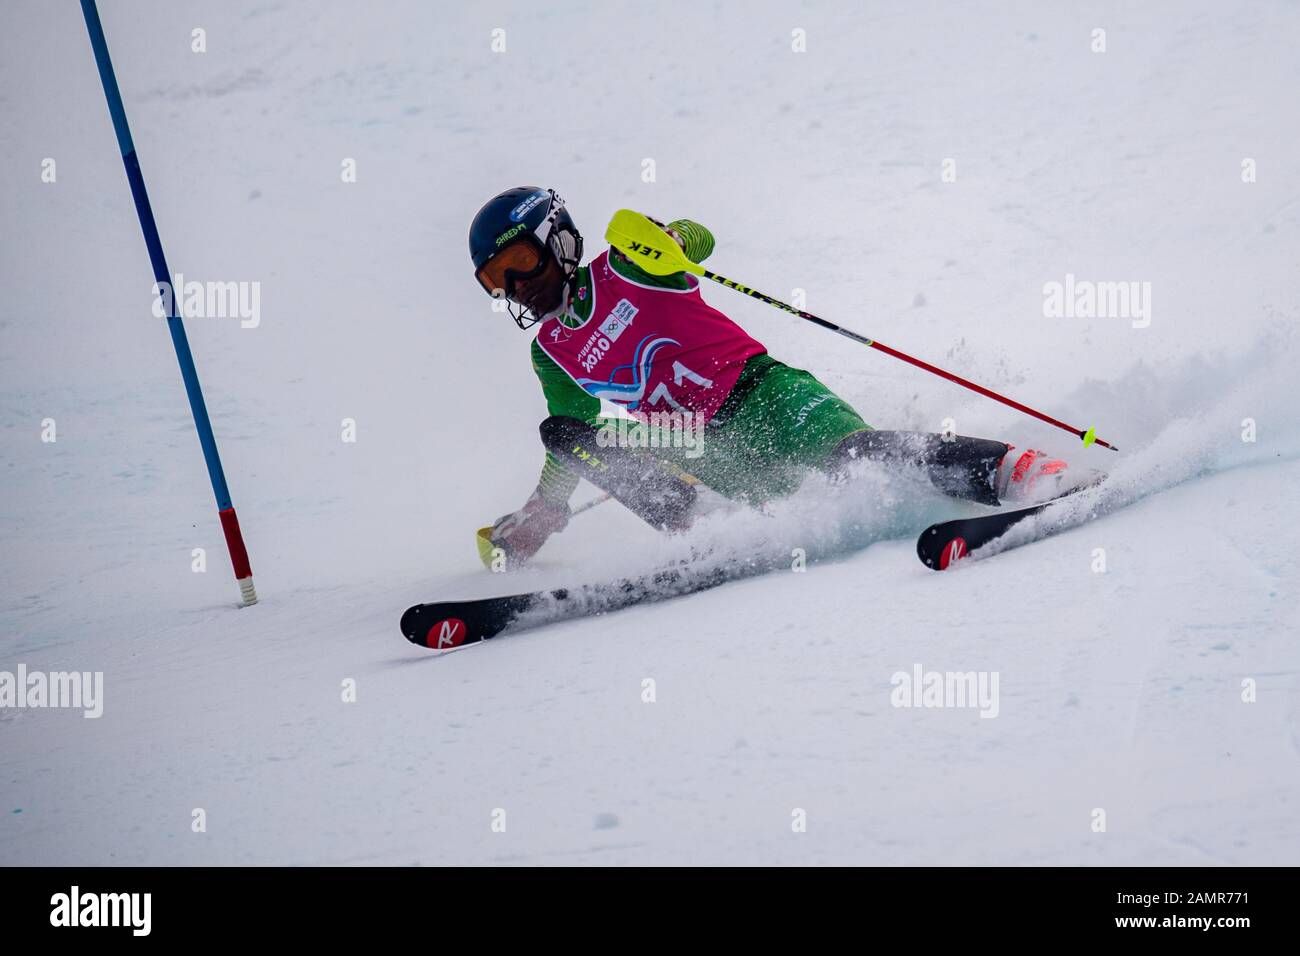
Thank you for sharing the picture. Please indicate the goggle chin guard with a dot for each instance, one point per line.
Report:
(523, 318)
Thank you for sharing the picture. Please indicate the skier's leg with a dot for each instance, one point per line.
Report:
(765, 442)
(656, 491)
(956, 465)
(768, 439)
(789, 423)
(979, 469)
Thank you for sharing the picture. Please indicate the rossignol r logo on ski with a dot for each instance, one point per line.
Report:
(954, 551)
(450, 632)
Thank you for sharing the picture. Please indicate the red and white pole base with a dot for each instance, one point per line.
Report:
(238, 556)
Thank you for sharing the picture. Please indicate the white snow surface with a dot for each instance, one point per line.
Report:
(821, 171)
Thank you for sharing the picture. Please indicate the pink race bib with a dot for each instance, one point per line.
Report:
(650, 349)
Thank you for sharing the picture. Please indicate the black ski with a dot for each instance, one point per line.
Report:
(942, 545)
(442, 625)
(446, 624)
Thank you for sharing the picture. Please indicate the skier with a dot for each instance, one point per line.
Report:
(611, 332)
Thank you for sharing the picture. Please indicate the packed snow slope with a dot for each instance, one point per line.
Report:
(1162, 690)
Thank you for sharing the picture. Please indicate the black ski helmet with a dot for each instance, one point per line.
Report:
(526, 214)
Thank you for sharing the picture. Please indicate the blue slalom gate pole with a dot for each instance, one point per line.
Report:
(225, 509)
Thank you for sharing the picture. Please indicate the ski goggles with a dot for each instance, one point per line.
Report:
(520, 259)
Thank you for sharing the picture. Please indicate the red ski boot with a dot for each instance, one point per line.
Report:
(1034, 477)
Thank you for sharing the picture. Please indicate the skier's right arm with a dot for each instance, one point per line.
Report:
(563, 397)
(521, 533)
